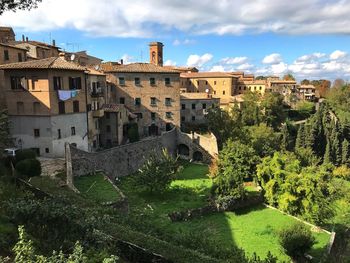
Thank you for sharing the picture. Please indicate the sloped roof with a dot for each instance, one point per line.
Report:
(207, 75)
(196, 96)
(47, 63)
(6, 29)
(136, 68)
(11, 46)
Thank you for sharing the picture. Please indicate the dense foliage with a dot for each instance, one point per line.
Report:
(157, 172)
(296, 240)
(28, 168)
(5, 138)
(236, 163)
(13, 5)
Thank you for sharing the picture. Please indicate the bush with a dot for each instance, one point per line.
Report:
(296, 240)
(25, 154)
(133, 132)
(28, 168)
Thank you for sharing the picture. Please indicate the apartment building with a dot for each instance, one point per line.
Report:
(251, 85)
(194, 107)
(307, 92)
(148, 90)
(47, 105)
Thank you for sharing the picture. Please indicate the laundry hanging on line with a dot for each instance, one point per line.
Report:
(67, 94)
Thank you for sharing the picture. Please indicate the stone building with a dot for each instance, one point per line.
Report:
(251, 85)
(148, 90)
(194, 107)
(6, 34)
(307, 92)
(36, 49)
(47, 105)
(82, 58)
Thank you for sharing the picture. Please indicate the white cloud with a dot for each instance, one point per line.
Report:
(274, 58)
(217, 68)
(186, 41)
(337, 54)
(127, 59)
(198, 61)
(169, 62)
(234, 60)
(245, 66)
(139, 18)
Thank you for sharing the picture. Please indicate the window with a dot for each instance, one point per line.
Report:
(137, 81)
(223, 92)
(108, 128)
(153, 101)
(167, 81)
(57, 83)
(108, 115)
(183, 106)
(214, 92)
(198, 82)
(137, 101)
(153, 116)
(72, 130)
(6, 55)
(214, 82)
(18, 83)
(36, 132)
(20, 107)
(168, 101)
(183, 118)
(59, 135)
(75, 83)
(122, 100)
(193, 118)
(260, 88)
(61, 107)
(36, 107)
(168, 115)
(152, 81)
(206, 82)
(122, 81)
(19, 57)
(76, 106)
(193, 106)
(47, 150)
(34, 82)
(204, 105)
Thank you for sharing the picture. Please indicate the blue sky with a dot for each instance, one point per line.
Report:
(264, 37)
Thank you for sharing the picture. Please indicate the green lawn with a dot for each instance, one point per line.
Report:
(96, 187)
(254, 230)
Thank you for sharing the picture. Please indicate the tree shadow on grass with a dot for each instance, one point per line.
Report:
(248, 210)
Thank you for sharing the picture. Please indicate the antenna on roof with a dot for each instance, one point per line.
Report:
(72, 57)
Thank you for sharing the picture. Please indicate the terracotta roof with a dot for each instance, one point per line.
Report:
(41, 44)
(196, 96)
(207, 75)
(47, 63)
(182, 69)
(136, 68)
(306, 87)
(250, 82)
(12, 46)
(92, 71)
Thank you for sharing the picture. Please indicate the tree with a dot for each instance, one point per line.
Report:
(296, 240)
(338, 83)
(288, 76)
(272, 106)
(263, 140)
(300, 140)
(13, 5)
(236, 163)
(157, 172)
(345, 152)
(251, 113)
(5, 138)
(305, 82)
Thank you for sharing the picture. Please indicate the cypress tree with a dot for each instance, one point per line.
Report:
(345, 152)
(327, 155)
(285, 138)
(335, 144)
(300, 140)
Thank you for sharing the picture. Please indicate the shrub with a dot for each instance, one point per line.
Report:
(28, 168)
(25, 154)
(342, 172)
(296, 240)
(133, 132)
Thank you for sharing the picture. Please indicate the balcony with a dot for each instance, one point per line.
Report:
(98, 113)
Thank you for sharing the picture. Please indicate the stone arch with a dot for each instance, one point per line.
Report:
(198, 156)
(183, 149)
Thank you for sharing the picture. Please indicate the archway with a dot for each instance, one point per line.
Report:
(153, 130)
(182, 149)
(198, 156)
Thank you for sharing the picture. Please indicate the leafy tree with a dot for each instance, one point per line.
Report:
(236, 163)
(305, 82)
(28, 168)
(263, 140)
(5, 138)
(157, 173)
(13, 5)
(300, 140)
(285, 138)
(305, 108)
(288, 76)
(296, 240)
(342, 172)
(251, 113)
(307, 157)
(272, 105)
(24, 249)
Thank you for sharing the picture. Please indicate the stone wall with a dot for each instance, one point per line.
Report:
(122, 160)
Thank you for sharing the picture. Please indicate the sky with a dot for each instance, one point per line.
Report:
(307, 38)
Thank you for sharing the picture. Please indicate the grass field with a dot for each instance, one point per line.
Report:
(96, 187)
(254, 230)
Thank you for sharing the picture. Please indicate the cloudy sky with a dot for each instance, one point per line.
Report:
(308, 38)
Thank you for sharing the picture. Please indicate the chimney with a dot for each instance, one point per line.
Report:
(53, 42)
(26, 39)
(23, 38)
(121, 62)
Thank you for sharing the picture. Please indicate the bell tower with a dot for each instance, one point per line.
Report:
(156, 53)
